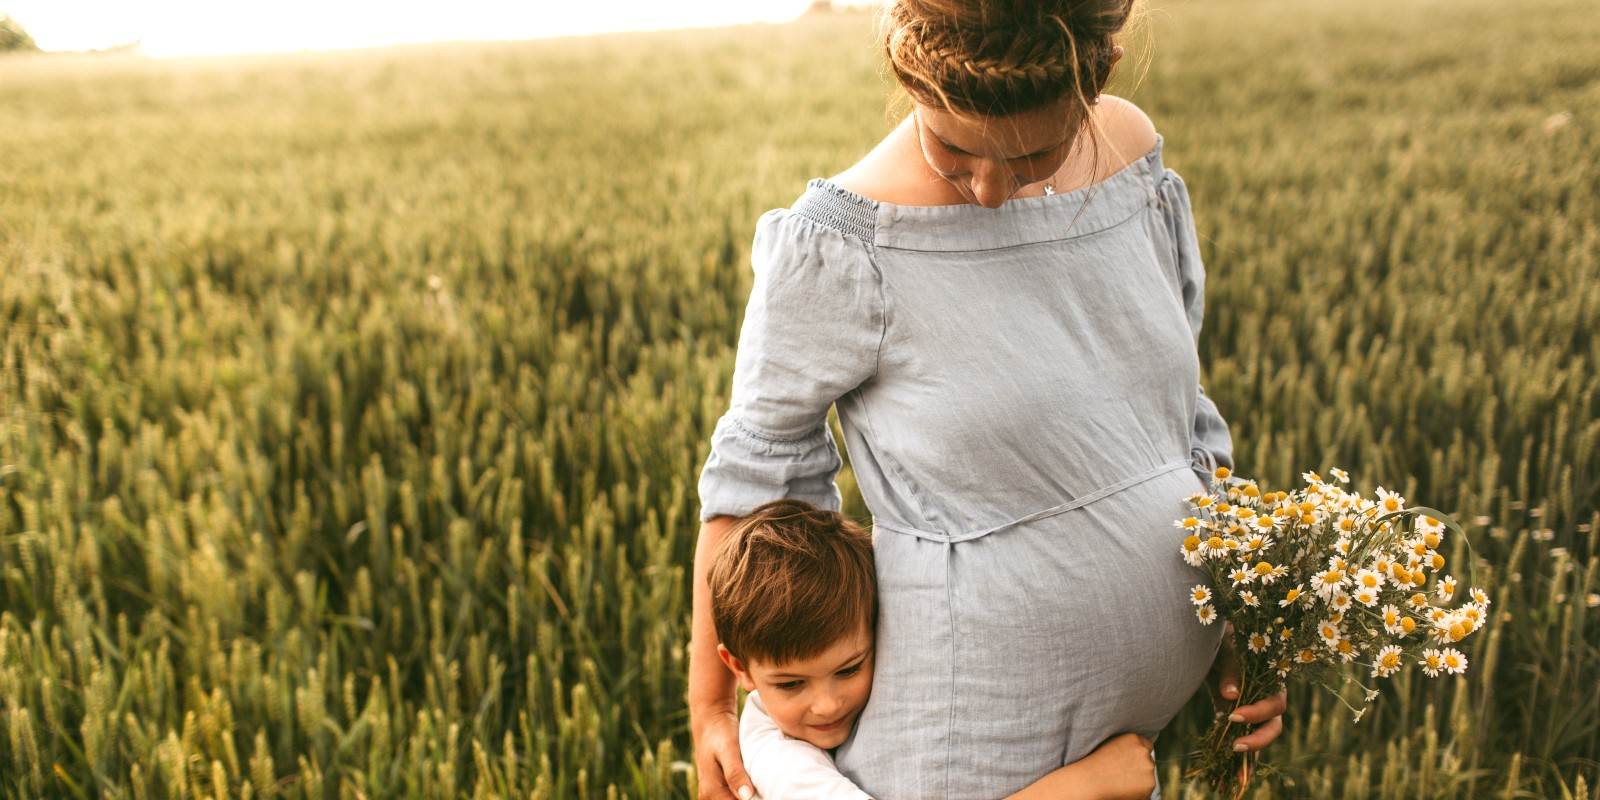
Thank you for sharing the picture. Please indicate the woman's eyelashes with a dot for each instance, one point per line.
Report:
(1029, 157)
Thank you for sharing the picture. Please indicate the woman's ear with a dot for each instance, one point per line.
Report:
(1116, 55)
(737, 667)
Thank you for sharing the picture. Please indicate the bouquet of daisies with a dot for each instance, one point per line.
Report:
(1315, 579)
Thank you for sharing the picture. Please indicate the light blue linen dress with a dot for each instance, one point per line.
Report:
(1019, 391)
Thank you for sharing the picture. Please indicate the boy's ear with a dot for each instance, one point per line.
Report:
(737, 667)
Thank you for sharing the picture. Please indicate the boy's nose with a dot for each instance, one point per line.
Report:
(826, 708)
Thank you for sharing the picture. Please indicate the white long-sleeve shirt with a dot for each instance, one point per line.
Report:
(785, 768)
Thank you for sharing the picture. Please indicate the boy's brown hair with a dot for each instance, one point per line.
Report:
(789, 580)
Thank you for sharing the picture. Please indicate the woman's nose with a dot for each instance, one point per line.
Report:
(991, 187)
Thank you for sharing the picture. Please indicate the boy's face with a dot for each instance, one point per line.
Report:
(815, 699)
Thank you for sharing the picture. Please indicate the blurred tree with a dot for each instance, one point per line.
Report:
(13, 37)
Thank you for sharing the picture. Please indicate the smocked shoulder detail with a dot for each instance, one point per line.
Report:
(838, 208)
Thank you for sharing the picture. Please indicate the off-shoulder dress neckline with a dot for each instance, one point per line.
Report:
(969, 226)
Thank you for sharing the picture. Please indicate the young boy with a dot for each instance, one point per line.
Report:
(794, 601)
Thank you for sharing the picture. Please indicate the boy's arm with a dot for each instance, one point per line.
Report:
(784, 768)
(1122, 767)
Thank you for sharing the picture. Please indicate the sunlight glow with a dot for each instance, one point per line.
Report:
(170, 28)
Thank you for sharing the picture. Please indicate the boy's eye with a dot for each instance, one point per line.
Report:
(789, 686)
(848, 671)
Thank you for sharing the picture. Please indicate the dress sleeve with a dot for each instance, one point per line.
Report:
(784, 768)
(1212, 444)
(811, 333)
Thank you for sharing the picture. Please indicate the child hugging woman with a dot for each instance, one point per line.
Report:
(1003, 298)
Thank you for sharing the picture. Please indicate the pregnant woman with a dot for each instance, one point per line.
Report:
(1004, 298)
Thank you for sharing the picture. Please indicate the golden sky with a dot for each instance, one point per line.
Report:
(167, 28)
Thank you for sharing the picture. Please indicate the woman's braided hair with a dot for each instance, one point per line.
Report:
(1000, 57)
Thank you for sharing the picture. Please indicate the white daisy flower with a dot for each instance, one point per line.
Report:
(1215, 546)
(1387, 661)
(1293, 595)
(1446, 587)
(1455, 662)
(1259, 643)
(1432, 661)
(1327, 582)
(1366, 597)
(1311, 478)
(1339, 474)
(1263, 523)
(1249, 599)
(1200, 594)
(1191, 551)
(1479, 596)
(1240, 576)
(1190, 524)
(1207, 614)
(1389, 501)
(1368, 579)
(1347, 650)
(1391, 618)
(1329, 631)
(1428, 525)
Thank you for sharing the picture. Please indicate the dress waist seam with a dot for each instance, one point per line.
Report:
(1079, 502)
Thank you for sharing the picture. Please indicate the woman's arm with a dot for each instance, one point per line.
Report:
(713, 719)
(1121, 768)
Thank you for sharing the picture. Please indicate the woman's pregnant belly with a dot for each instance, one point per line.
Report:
(1004, 657)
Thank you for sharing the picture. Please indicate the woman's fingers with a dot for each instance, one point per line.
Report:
(721, 769)
(1227, 664)
(1260, 737)
(1262, 710)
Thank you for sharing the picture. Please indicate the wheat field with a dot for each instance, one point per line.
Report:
(353, 403)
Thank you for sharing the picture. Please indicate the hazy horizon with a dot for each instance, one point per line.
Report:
(178, 28)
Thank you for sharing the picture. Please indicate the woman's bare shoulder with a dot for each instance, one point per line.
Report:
(894, 170)
(1126, 127)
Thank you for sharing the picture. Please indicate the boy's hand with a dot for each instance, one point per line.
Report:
(1123, 766)
(718, 762)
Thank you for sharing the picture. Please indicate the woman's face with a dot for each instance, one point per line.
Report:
(990, 159)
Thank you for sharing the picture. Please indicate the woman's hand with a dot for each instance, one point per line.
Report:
(1267, 713)
(713, 720)
(717, 759)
